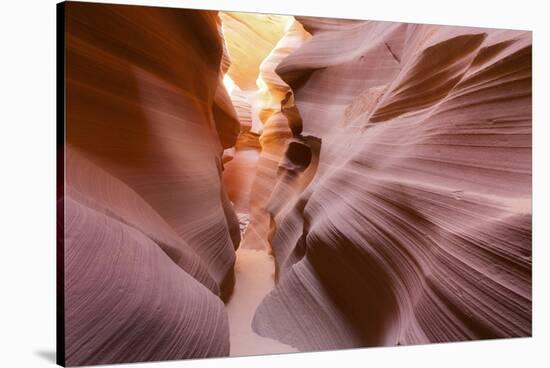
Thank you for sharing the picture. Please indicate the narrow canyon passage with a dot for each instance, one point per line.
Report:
(361, 104)
(250, 168)
(249, 184)
(254, 268)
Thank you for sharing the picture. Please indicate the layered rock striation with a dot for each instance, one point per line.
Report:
(280, 123)
(416, 225)
(150, 235)
(249, 39)
(385, 166)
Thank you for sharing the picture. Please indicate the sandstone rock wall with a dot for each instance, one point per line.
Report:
(150, 233)
(280, 119)
(416, 227)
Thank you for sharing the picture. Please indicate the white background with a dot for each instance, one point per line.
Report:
(27, 180)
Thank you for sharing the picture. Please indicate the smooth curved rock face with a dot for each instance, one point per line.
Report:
(127, 301)
(416, 227)
(279, 116)
(274, 93)
(393, 185)
(250, 38)
(240, 161)
(150, 233)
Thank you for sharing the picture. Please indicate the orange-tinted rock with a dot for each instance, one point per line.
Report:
(150, 233)
(250, 38)
(279, 117)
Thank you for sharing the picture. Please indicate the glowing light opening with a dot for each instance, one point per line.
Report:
(228, 83)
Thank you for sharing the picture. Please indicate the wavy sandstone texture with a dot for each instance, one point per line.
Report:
(279, 117)
(416, 226)
(150, 234)
(385, 166)
(249, 39)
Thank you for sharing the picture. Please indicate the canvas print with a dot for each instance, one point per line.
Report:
(238, 184)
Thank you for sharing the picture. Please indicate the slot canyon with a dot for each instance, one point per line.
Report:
(240, 184)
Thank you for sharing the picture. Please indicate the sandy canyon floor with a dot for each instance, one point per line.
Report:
(254, 274)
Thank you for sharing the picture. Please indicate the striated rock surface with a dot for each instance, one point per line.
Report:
(385, 167)
(416, 224)
(249, 38)
(150, 233)
(280, 121)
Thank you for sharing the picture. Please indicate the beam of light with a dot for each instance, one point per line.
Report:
(228, 83)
